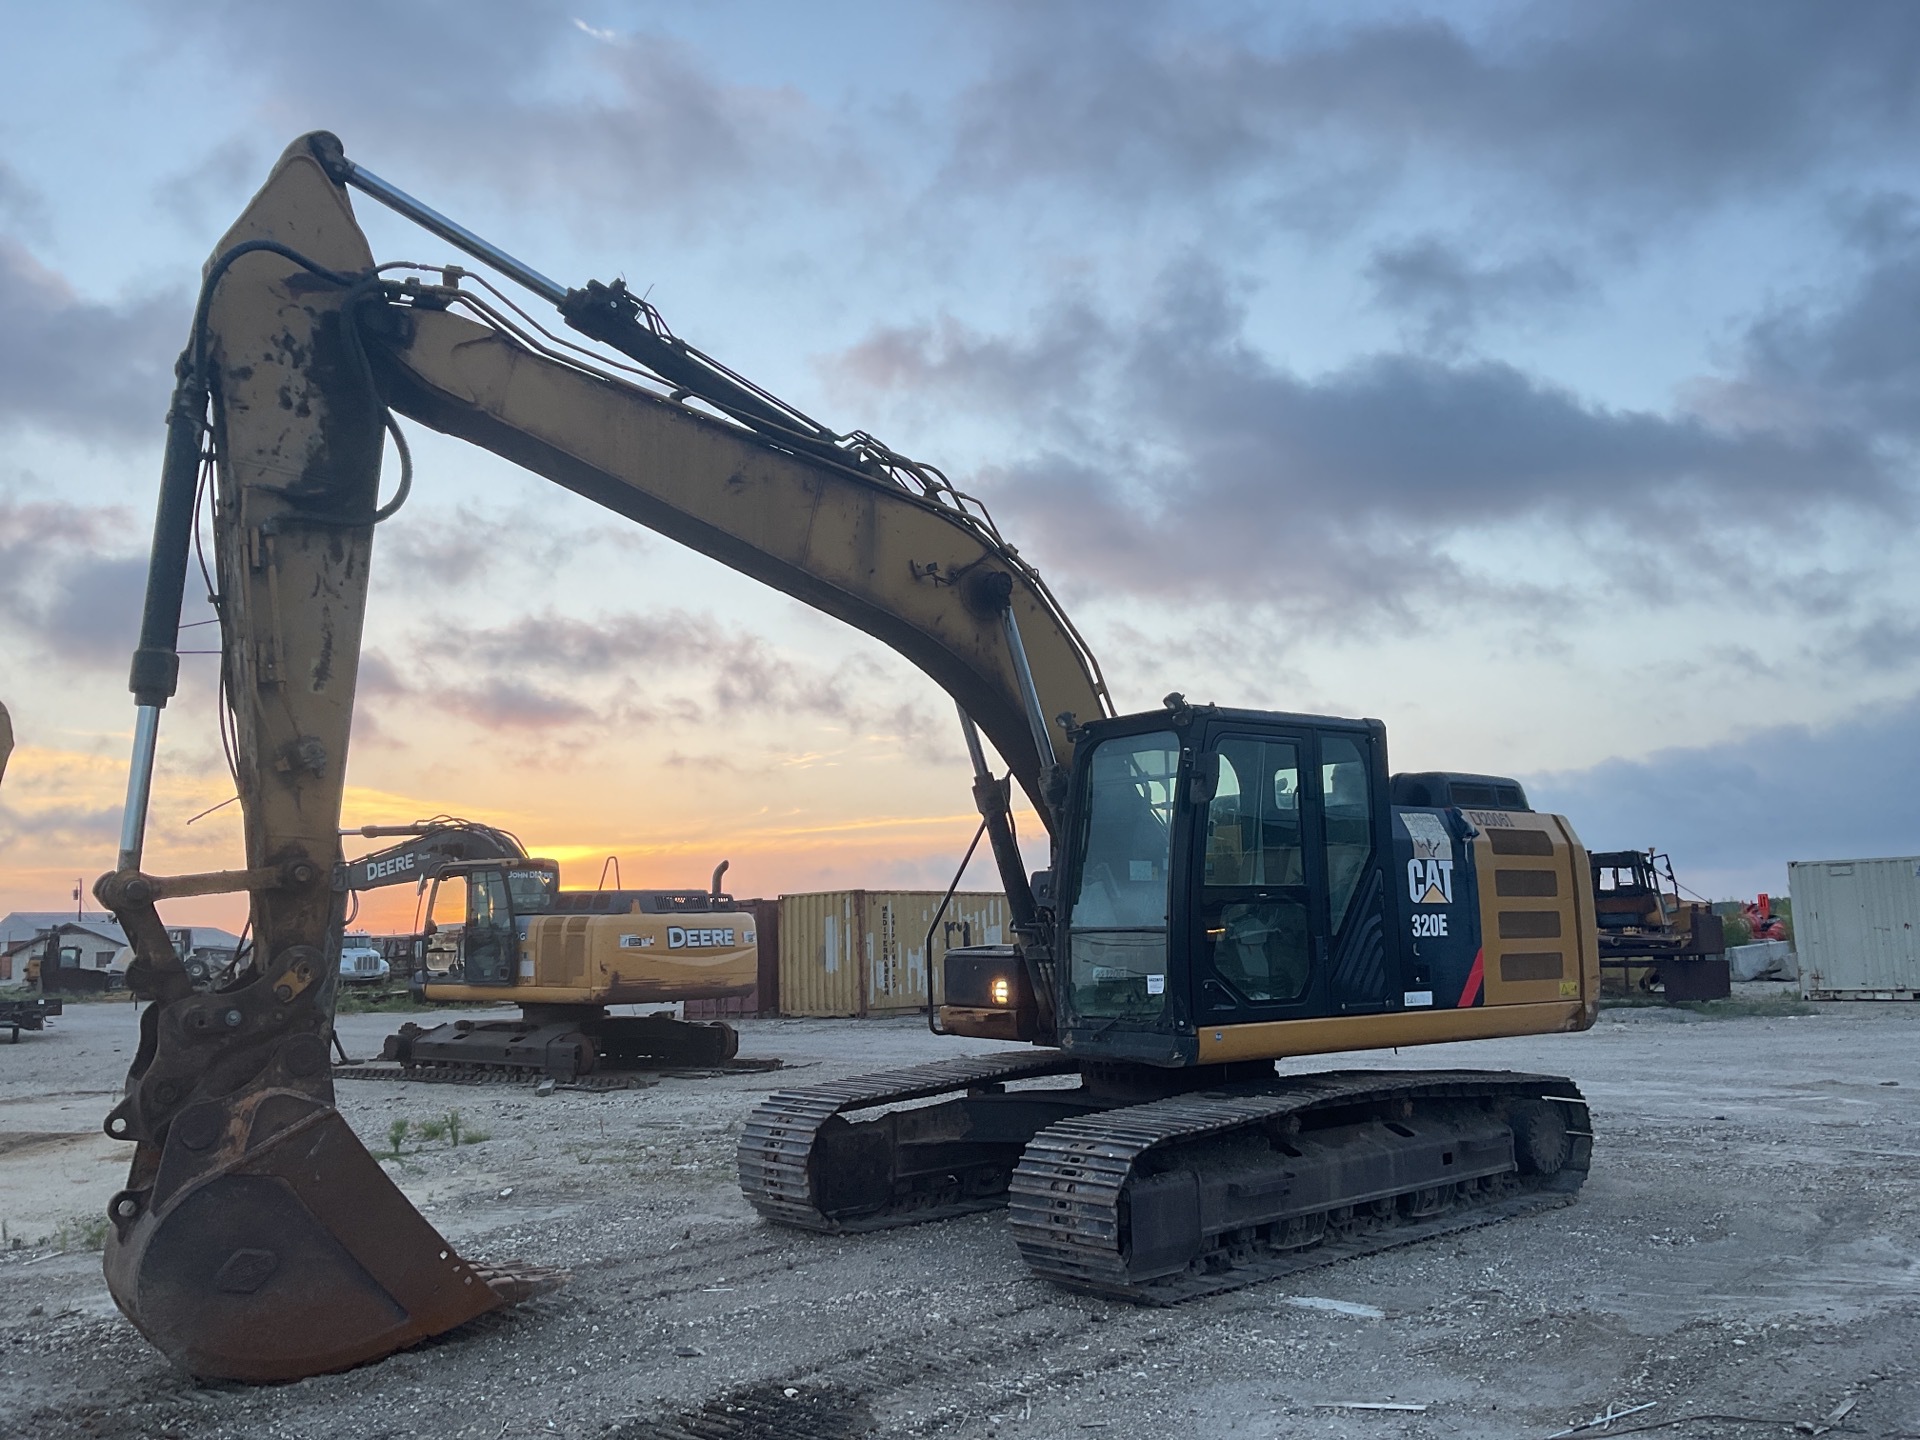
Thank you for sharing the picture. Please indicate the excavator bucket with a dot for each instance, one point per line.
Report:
(273, 1246)
(257, 1239)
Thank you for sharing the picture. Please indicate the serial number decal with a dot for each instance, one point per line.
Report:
(1431, 926)
(1491, 819)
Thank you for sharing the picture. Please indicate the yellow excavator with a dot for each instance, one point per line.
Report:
(1226, 888)
(562, 956)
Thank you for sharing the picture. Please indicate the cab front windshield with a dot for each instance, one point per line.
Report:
(1117, 936)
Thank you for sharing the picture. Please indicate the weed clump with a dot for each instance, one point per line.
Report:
(449, 1127)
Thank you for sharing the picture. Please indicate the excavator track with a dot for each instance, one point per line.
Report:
(567, 1050)
(1189, 1196)
(532, 1075)
(790, 1165)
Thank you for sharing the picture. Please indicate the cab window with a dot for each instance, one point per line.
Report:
(1254, 902)
(1118, 931)
(1344, 782)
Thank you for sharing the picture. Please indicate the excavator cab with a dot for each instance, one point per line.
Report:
(501, 897)
(1223, 867)
(1235, 884)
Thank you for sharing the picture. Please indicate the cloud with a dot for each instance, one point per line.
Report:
(432, 548)
(1638, 103)
(65, 580)
(1851, 349)
(378, 677)
(1737, 812)
(1886, 642)
(59, 827)
(564, 644)
(1174, 458)
(671, 668)
(204, 196)
(22, 206)
(503, 703)
(1446, 296)
(92, 370)
(592, 120)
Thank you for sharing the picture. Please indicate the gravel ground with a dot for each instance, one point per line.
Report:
(1746, 1246)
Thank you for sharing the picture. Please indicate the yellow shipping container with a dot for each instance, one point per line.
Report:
(865, 952)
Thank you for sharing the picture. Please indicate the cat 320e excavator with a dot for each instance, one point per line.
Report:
(1226, 888)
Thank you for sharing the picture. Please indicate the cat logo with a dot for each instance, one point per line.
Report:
(1430, 882)
(1430, 872)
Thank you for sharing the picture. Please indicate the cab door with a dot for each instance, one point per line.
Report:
(492, 940)
(1361, 974)
(1257, 917)
(1288, 902)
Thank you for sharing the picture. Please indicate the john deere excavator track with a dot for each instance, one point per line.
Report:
(564, 1044)
(395, 1073)
(1179, 1197)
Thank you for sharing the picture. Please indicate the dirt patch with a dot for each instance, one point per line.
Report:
(764, 1412)
(1744, 1246)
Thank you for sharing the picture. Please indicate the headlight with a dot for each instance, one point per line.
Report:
(1002, 992)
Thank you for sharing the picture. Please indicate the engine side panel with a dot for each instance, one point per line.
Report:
(627, 959)
(1540, 941)
(1498, 938)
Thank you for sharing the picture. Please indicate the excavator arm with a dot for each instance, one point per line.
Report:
(429, 846)
(256, 1239)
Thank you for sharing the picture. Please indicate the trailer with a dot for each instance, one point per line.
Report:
(17, 1015)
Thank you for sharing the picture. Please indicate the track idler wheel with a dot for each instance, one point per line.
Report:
(713, 1043)
(1541, 1143)
(267, 1244)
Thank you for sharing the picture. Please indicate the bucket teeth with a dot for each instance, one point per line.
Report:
(514, 1282)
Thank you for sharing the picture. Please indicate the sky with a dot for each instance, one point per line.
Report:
(1536, 378)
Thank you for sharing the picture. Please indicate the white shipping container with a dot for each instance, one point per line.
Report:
(1856, 926)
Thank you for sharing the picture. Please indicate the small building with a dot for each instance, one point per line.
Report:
(25, 924)
(73, 955)
(95, 945)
